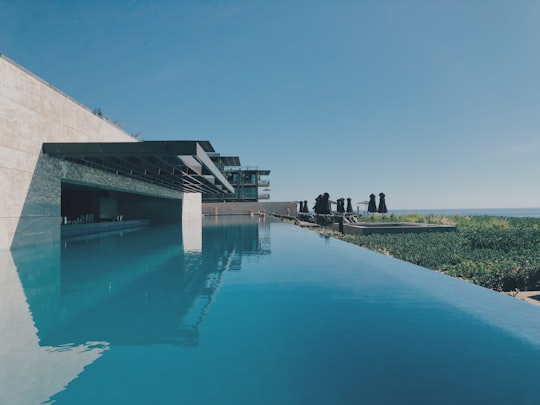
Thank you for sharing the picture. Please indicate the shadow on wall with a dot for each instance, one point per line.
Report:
(39, 220)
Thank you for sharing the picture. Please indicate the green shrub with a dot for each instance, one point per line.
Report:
(495, 252)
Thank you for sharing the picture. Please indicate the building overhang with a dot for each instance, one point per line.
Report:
(179, 165)
(224, 161)
(230, 161)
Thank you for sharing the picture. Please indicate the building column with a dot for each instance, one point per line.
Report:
(191, 206)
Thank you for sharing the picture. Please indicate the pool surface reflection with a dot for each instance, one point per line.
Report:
(250, 311)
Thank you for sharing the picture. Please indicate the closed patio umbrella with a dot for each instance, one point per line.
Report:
(325, 204)
(349, 205)
(372, 205)
(317, 206)
(340, 205)
(382, 204)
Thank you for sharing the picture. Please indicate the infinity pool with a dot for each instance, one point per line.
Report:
(251, 311)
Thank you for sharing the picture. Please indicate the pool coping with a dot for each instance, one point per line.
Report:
(368, 228)
(527, 296)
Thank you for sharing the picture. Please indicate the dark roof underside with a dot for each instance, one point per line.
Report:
(230, 161)
(178, 165)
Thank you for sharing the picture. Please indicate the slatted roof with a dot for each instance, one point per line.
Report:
(225, 161)
(230, 161)
(180, 165)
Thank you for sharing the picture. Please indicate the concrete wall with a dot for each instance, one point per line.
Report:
(191, 206)
(33, 112)
(232, 208)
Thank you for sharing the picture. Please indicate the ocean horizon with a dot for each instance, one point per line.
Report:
(503, 212)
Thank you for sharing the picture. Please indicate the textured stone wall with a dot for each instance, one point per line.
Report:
(83, 175)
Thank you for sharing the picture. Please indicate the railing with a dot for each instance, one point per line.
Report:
(243, 182)
(240, 168)
(264, 183)
(264, 196)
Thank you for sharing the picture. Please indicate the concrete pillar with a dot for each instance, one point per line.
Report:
(191, 206)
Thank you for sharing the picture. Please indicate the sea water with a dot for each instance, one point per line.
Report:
(245, 310)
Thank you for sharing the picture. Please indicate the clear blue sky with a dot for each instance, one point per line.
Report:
(436, 104)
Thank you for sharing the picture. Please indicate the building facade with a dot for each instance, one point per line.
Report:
(250, 183)
(60, 163)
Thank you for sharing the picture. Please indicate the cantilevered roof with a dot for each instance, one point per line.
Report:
(230, 161)
(206, 145)
(225, 161)
(180, 165)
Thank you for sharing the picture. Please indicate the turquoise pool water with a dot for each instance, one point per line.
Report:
(250, 311)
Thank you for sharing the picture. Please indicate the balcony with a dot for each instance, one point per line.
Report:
(264, 196)
(264, 183)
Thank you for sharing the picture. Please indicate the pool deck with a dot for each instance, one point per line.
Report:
(368, 228)
(527, 296)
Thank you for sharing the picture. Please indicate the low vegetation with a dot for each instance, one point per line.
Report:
(501, 253)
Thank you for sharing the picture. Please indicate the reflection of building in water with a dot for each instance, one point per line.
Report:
(64, 305)
(264, 236)
(242, 236)
(192, 234)
(32, 371)
(135, 287)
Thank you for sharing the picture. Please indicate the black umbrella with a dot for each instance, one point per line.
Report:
(325, 204)
(382, 204)
(340, 205)
(306, 209)
(349, 205)
(317, 206)
(372, 205)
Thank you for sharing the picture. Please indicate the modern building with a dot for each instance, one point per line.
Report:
(248, 183)
(62, 166)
